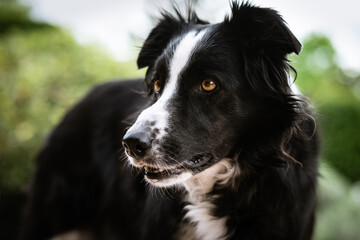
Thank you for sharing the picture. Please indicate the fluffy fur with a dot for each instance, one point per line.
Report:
(237, 162)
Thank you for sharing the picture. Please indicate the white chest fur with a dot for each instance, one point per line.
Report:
(200, 207)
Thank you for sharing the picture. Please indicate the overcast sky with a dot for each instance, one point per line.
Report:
(110, 22)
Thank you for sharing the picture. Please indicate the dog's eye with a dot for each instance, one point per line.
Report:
(208, 85)
(157, 86)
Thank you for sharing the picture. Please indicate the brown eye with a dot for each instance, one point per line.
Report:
(157, 86)
(208, 85)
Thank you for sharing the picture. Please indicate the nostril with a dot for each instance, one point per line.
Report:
(126, 147)
(137, 145)
(142, 147)
(139, 148)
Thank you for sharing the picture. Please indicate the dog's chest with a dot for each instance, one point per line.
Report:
(202, 224)
(199, 222)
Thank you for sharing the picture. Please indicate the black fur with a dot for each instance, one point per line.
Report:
(81, 182)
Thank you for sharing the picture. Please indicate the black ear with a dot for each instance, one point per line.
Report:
(263, 41)
(263, 28)
(168, 27)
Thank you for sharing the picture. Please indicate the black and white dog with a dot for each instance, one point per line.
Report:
(222, 147)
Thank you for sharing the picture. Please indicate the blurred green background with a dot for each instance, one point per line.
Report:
(44, 71)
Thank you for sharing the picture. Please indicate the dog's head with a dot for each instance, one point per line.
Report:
(215, 87)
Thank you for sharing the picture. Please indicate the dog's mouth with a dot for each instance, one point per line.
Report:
(195, 164)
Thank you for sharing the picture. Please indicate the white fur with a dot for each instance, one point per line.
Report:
(175, 180)
(158, 112)
(200, 208)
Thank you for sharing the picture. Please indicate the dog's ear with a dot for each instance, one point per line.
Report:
(168, 27)
(263, 29)
(263, 42)
(158, 39)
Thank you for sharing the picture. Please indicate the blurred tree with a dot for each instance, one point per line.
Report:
(338, 211)
(43, 72)
(334, 94)
(15, 15)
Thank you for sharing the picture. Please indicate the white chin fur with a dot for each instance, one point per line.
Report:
(169, 182)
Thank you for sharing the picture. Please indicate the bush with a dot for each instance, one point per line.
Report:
(43, 72)
(338, 109)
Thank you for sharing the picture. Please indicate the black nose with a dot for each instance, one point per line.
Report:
(137, 144)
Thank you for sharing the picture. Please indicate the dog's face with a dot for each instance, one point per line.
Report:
(205, 95)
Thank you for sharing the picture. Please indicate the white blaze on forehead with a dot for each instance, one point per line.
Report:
(158, 111)
(180, 59)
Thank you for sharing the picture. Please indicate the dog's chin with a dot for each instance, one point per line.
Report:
(168, 180)
(168, 176)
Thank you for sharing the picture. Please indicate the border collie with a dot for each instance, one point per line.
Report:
(223, 145)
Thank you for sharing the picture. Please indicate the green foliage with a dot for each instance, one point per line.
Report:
(319, 74)
(338, 211)
(335, 96)
(341, 138)
(42, 72)
(13, 15)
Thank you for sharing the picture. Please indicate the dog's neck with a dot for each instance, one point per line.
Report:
(222, 174)
(200, 200)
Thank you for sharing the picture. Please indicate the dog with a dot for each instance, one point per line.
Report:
(215, 143)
